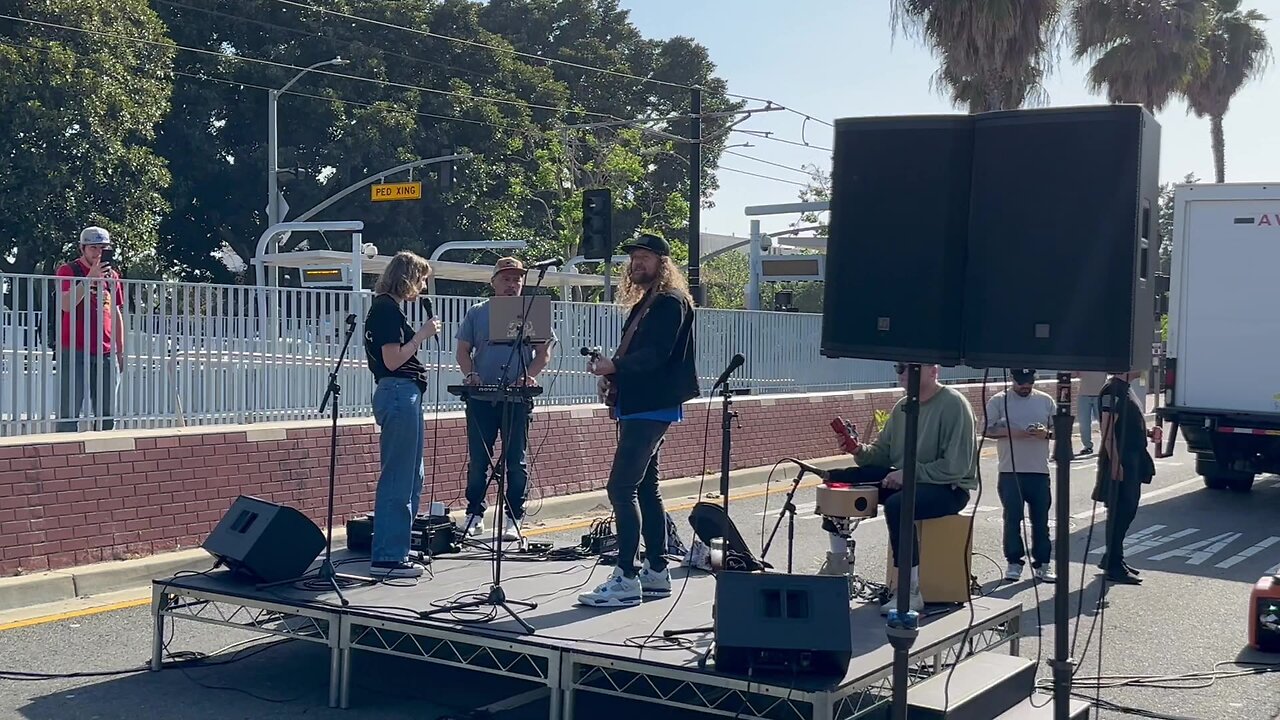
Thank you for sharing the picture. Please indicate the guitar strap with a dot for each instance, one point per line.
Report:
(631, 329)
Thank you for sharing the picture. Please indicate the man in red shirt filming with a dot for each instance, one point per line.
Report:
(91, 332)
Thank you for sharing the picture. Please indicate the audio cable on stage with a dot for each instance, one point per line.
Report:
(977, 461)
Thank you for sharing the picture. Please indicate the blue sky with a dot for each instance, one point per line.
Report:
(838, 58)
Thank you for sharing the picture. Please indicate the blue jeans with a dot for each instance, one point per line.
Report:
(1019, 492)
(397, 408)
(484, 419)
(1088, 410)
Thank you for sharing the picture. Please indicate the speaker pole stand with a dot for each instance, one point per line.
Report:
(904, 623)
(327, 574)
(1062, 664)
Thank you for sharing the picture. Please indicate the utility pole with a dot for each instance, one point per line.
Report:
(695, 194)
(275, 213)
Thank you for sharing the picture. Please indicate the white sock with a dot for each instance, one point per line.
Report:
(838, 544)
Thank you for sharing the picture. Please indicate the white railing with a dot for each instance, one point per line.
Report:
(200, 354)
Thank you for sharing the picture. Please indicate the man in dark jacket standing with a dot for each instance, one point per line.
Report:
(1124, 466)
(651, 375)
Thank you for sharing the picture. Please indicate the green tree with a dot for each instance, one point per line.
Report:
(1166, 220)
(79, 120)
(646, 165)
(1142, 51)
(993, 54)
(1238, 51)
(216, 136)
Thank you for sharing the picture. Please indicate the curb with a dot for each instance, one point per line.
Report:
(43, 588)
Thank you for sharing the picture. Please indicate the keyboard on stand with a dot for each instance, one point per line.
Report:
(495, 393)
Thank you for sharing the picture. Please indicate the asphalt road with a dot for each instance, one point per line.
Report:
(1199, 552)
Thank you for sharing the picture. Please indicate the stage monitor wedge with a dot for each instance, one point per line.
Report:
(1063, 239)
(896, 249)
(265, 541)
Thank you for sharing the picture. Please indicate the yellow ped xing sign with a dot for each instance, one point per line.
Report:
(395, 191)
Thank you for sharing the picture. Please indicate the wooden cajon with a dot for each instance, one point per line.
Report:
(946, 559)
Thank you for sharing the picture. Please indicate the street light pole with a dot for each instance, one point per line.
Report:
(274, 215)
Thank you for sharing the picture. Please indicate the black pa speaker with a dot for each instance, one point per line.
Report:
(767, 623)
(1063, 239)
(266, 541)
(896, 246)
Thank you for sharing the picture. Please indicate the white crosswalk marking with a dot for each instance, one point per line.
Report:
(1248, 552)
(1193, 552)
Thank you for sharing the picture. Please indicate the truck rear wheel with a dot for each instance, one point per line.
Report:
(1219, 478)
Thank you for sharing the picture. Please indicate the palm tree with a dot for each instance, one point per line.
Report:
(1143, 51)
(1238, 50)
(993, 52)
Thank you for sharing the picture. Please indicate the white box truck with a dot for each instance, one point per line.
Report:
(1222, 372)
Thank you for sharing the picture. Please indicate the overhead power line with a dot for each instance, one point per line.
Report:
(763, 177)
(769, 162)
(296, 93)
(766, 135)
(473, 43)
(271, 63)
(804, 115)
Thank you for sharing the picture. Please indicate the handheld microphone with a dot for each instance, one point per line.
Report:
(806, 467)
(425, 302)
(734, 364)
(351, 319)
(548, 263)
(592, 352)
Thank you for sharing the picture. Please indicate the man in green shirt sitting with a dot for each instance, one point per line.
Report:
(946, 463)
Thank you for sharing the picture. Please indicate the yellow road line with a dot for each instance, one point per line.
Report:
(129, 604)
(73, 614)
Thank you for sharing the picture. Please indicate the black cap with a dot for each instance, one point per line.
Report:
(650, 242)
(1023, 376)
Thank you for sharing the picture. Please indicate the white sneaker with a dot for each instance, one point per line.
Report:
(1044, 574)
(511, 529)
(654, 584)
(1014, 572)
(914, 602)
(473, 525)
(403, 569)
(618, 591)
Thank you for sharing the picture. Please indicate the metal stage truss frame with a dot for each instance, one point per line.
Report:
(266, 617)
(702, 691)
(563, 670)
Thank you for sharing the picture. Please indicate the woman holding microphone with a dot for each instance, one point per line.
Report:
(391, 348)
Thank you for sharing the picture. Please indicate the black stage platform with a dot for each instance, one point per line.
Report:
(574, 649)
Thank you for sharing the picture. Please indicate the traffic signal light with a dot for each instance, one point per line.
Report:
(1162, 295)
(597, 224)
(448, 173)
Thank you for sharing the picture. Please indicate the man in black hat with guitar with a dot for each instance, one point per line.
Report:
(650, 376)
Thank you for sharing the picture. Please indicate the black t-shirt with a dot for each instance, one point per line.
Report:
(385, 325)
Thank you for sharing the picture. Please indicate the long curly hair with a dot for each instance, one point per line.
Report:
(404, 276)
(669, 279)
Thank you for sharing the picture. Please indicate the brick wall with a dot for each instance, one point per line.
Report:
(69, 500)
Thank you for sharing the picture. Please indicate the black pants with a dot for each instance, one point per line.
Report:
(484, 420)
(932, 501)
(633, 493)
(1030, 491)
(1120, 515)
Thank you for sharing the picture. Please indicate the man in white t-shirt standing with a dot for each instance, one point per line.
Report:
(1019, 420)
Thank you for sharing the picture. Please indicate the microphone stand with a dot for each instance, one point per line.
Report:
(788, 511)
(727, 415)
(904, 623)
(327, 573)
(497, 596)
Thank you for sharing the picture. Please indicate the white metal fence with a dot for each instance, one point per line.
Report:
(199, 354)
